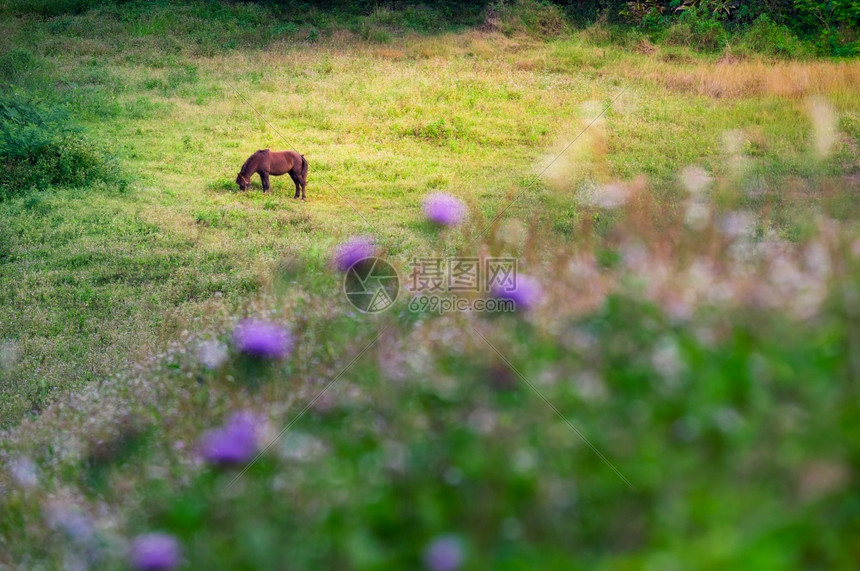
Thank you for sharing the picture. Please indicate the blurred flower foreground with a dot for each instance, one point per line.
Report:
(679, 390)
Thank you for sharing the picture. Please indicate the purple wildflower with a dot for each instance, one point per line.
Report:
(72, 521)
(526, 294)
(155, 552)
(445, 553)
(353, 250)
(233, 443)
(262, 339)
(444, 209)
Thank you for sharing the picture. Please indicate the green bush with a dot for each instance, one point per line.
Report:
(21, 68)
(415, 18)
(829, 14)
(832, 24)
(699, 28)
(372, 33)
(704, 24)
(531, 17)
(41, 146)
(767, 37)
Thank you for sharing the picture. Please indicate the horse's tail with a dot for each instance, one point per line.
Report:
(304, 167)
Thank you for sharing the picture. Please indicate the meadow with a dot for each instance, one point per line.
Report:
(685, 394)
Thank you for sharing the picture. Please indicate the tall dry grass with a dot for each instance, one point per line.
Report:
(734, 78)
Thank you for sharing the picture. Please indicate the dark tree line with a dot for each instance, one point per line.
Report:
(833, 24)
(809, 13)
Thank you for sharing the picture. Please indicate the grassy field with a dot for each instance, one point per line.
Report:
(107, 289)
(101, 275)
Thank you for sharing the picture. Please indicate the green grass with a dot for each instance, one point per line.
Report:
(91, 285)
(470, 114)
(716, 375)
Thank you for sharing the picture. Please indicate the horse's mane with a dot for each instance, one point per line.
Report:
(251, 164)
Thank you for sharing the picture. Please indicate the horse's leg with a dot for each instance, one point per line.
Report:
(296, 182)
(264, 176)
(304, 176)
(300, 184)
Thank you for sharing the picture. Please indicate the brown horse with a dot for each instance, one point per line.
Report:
(266, 162)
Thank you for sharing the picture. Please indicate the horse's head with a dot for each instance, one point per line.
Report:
(243, 182)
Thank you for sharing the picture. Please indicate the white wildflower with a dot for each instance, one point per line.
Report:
(609, 196)
(737, 224)
(212, 353)
(695, 179)
(697, 215)
(823, 118)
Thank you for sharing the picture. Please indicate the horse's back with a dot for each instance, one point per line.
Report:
(283, 162)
